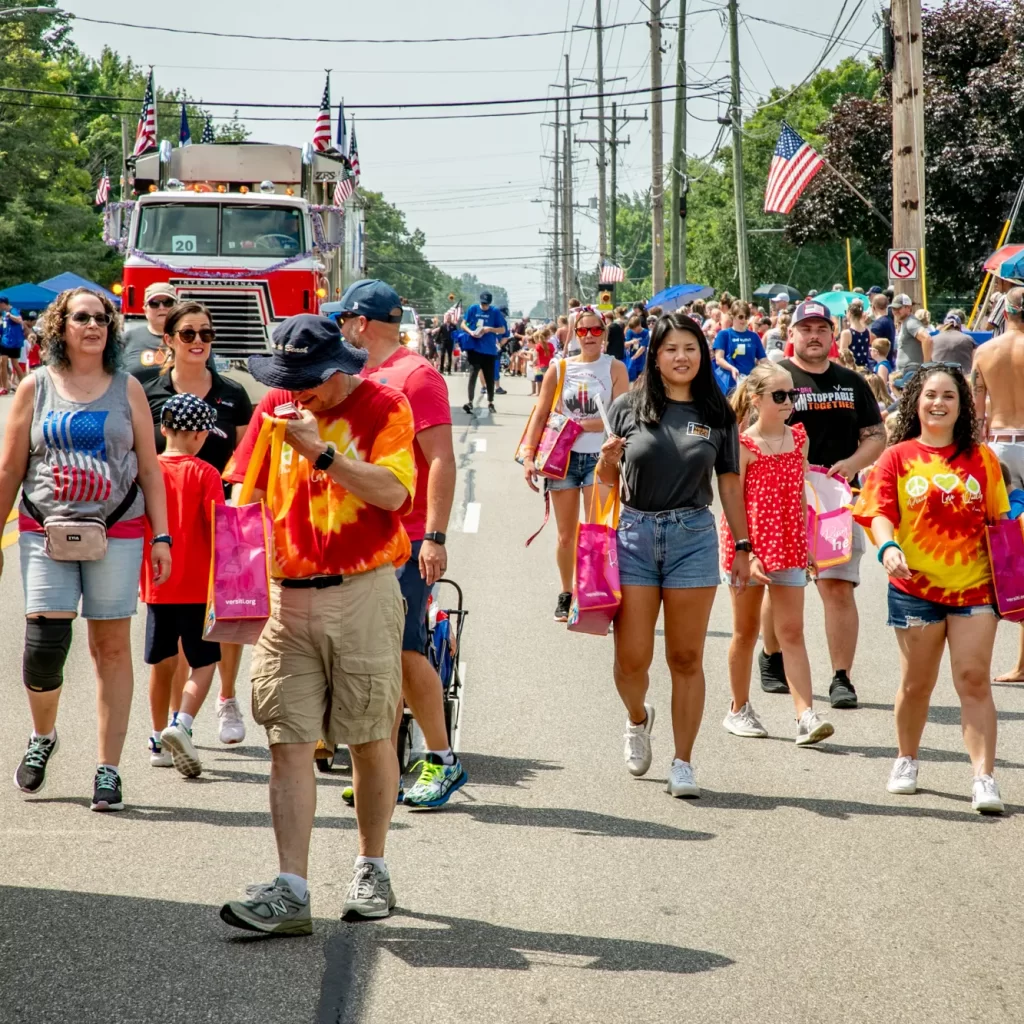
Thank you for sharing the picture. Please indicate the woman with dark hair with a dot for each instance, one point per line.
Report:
(188, 368)
(927, 501)
(668, 436)
(79, 444)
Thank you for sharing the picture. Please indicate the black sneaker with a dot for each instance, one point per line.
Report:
(562, 608)
(468, 408)
(773, 672)
(31, 774)
(841, 693)
(106, 790)
(490, 407)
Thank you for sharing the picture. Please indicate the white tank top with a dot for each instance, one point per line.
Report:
(582, 382)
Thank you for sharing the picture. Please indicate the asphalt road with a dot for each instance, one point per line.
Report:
(554, 887)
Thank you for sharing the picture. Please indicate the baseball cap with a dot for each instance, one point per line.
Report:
(901, 300)
(812, 293)
(781, 297)
(160, 288)
(376, 300)
(874, 290)
(186, 411)
(903, 377)
(952, 318)
(811, 310)
(486, 298)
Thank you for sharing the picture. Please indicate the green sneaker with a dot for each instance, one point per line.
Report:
(271, 907)
(436, 783)
(348, 794)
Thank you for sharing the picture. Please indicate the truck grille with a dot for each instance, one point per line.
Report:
(237, 319)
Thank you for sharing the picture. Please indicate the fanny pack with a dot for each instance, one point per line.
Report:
(79, 540)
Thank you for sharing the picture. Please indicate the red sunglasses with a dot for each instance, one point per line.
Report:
(594, 332)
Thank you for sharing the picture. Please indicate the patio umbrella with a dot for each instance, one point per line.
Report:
(1003, 256)
(678, 295)
(769, 291)
(837, 302)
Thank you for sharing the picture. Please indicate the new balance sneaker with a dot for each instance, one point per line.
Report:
(681, 781)
(232, 725)
(773, 672)
(158, 757)
(178, 740)
(841, 693)
(638, 752)
(31, 774)
(985, 795)
(436, 783)
(744, 723)
(812, 729)
(903, 777)
(271, 907)
(370, 894)
(106, 790)
(563, 605)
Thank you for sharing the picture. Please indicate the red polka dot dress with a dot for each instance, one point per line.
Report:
(773, 489)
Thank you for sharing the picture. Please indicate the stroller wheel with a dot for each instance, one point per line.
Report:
(451, 719)
(405, 743)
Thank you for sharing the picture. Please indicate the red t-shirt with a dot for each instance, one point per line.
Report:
(543, 353)
(427, 393)
(191, 486)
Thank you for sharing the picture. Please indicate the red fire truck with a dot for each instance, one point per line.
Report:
(245, 228)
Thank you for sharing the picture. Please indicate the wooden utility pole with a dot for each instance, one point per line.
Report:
(567, 218)
(736, 115)
(556, 268)
(657, 157)
(614, 206)
(680, 185)
(602, 197)
(908, 186)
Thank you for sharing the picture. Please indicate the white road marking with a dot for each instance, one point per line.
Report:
(479, 444)
(471, 522)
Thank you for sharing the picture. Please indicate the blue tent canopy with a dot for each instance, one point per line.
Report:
(678, 295)
(28, 296)
(62, 282)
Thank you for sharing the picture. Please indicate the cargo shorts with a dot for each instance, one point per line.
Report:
(329, 662)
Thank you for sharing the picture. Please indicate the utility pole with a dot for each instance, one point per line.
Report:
(680, 183)
(908, 185)
(557, 250)
(657, 157)
(602, 249)
(613, 144)
(736, 115)
(567, 225)
(126, 185)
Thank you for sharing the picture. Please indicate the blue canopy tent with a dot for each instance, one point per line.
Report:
(62, 282)
(28, 296)
(678, 295)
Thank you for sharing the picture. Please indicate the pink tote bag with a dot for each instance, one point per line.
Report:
(596, 591)
(829, 518)
(560, 433)
(1006, 553)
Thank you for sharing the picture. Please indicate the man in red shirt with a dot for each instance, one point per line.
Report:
(368, 322)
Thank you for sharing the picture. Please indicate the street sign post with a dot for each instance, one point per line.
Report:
(903, 264)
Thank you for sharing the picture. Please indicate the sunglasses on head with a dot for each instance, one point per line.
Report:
(188, 335)
(81, 317)
(594, 332)
(780, 397)
(158, 303)
(948, 367)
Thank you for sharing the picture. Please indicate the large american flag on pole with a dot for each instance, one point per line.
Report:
(793, 166)
(322, 128)
(145, 132)
(76, 453)
(611, 273)
(353, 153)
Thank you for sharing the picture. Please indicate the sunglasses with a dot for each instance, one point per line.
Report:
(949, 367)
(101, 319)
(188, 335)
(780, 397)
(594, 332)
(158, 303)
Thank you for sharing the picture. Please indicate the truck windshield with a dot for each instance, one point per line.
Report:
(178, 229)
(191, 229)
(261, 229)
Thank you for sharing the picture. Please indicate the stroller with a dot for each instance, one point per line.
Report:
(444, 644)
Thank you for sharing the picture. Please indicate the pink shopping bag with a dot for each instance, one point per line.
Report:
(1006, 553)
(829, 518)
(596, 591)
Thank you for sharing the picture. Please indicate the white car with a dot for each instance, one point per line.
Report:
(409, 331)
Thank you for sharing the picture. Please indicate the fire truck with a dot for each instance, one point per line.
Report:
(245, 228)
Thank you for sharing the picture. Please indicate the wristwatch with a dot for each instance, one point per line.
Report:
(325, 458)
(163, 538)
(744, 545)
(436, 536)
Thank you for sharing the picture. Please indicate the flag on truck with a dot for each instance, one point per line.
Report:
(793, 166)
(353, 154)
(611, 273)
(145, 132)
(184, 135)
(208, 138)
(322, 128)
(343, 189)
(103, 188)
(340, 143)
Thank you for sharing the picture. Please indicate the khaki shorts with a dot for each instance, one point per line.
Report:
(329, 662)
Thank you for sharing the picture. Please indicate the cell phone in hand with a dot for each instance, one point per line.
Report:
(286, 411)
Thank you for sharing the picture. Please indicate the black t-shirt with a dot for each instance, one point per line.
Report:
(669, 465)
(616, 344)
(228, 398)
(834, 406)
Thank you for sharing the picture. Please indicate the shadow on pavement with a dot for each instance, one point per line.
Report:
(941, 715)
(489, 770)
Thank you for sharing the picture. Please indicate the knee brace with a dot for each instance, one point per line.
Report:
(47, 642)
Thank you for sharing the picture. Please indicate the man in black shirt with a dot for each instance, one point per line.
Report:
(616, 343)
(845, 431)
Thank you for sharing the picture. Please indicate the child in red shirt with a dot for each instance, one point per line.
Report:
(176, 610)
(543, 352)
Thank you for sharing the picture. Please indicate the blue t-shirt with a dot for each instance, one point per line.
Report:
(884, 327)
(13, 334)
(1016, 497)
(743, 349)
(491, 317)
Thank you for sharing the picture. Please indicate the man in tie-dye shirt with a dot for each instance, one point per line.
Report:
(329, 660)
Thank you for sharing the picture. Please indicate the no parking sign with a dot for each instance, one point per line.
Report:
(903, 264)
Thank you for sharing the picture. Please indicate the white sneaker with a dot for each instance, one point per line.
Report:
(158, 757)
(744, 723)
(812, 729)
(903, 777)
(681, 781)
(178, 740)
(986, 795)
(232, 725)
(638, 753)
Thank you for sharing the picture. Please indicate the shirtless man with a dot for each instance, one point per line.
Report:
(997, 380)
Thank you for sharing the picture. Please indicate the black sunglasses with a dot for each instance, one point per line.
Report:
(188, 335)
(779, 397)
(81, 317)
(157, 303)
(949, 367)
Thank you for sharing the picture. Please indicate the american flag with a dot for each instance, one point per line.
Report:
(184, 133)
(343, 189)
(145, 133)
(207, 138)
(103, 188)
(793, 166)
(611, 273)
(77, 455)
(342, 137)
(353, 153)
(322, 128)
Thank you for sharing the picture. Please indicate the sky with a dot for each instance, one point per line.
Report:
(479, 188)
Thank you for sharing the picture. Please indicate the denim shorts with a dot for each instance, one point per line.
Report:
(779, 578)
(415, 593)
(676, 549)
(107, 589)
(906, 610)
(580, 474)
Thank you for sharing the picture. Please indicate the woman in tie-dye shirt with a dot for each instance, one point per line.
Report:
(926, 502)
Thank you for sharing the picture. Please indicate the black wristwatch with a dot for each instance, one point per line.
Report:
(325, 458)
(744, 545)
(436, 536)
(164, 538)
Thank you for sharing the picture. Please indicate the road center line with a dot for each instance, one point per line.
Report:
(471, 522)
(479, 444)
